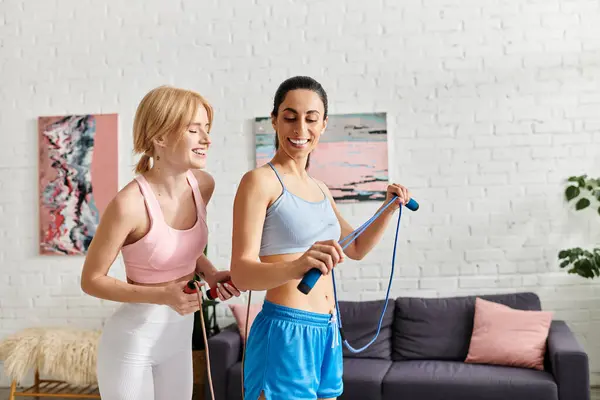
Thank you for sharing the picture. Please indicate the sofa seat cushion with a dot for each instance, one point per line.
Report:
(441, 328)
(363, 378)
(443, 380)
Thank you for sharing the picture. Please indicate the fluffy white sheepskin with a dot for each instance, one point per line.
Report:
(66, 354)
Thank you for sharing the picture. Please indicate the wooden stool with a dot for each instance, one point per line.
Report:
(53, 388)
(65, 356)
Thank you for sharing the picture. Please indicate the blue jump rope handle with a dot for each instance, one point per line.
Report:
(312, 276)
(309, 280)
(412, 205)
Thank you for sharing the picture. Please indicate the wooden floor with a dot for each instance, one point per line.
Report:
(4, 395)
(5, 391)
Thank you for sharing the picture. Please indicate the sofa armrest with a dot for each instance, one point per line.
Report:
(568, 362)
(224, 351)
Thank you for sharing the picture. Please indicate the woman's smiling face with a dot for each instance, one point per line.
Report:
(299, 122)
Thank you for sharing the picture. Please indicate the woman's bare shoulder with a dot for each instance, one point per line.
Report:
(259, 186)
(128, 202)
(206, 184)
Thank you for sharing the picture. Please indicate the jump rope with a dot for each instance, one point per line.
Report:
(305, 286)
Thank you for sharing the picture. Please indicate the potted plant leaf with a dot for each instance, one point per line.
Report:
(584, 192)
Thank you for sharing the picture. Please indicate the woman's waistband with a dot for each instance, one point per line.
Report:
(277, 311)
(150, 313)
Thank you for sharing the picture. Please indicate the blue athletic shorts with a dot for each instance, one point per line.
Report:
(293, 354)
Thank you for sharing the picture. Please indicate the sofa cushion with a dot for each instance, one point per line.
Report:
(363, 378)
(239, 312)
(440, 328)
(360, 320)
(505, 336)
(443, 380)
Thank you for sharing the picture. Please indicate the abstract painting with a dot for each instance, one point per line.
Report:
(351, 157)
(78, 177)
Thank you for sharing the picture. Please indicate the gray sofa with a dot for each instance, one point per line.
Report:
(420, 352)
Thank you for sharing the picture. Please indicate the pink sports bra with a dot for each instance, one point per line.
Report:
(165, 253)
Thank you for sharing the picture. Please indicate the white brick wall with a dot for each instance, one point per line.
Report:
(491, 105)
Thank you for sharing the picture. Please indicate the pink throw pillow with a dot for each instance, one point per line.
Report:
(239, 313)
(509, 337)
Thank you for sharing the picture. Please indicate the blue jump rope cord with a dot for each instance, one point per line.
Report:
(352, 237)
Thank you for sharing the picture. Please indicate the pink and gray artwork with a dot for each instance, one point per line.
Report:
(78, 177)
(351, 157)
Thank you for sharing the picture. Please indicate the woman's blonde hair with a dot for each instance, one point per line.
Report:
(164, 111)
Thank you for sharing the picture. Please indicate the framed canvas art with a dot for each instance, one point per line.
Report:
(351, 157)
(78, 176)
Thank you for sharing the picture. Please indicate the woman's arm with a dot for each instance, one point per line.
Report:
(204, 267)
(206, 185)
(365, 242)
(216, 278)
(117, 222)
(206, 270)
(249, 210)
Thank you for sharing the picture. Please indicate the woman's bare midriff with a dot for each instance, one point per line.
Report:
(161, 284)
(318, 300)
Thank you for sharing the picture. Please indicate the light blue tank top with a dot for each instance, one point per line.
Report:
(293, 225)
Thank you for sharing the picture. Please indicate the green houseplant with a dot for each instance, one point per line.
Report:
(583, 192)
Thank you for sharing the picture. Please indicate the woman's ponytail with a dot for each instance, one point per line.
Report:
(143, 165)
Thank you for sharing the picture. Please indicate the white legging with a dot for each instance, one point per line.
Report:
(145, 353)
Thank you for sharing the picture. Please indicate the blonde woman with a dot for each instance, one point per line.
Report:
(158, 223)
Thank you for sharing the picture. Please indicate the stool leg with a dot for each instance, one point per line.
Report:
(37, 383)
(13, 389)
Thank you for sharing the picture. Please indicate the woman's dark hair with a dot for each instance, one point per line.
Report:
(297, 82)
